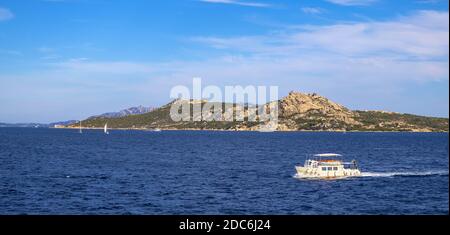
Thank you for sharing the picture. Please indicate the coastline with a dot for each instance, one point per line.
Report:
(196, 129)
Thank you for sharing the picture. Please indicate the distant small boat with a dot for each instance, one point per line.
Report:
(106, 129)
(81, 130)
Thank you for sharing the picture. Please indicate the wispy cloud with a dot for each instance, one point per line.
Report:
(45, 49)
(5, 14)
(421, 36)
(240, 3)
(84, 65)
(312, 10)
(428, 1)
(48, 53)
(352, 2)
(10, 52)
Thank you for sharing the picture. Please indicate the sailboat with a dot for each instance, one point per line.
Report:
(81, 131)
(106, 129)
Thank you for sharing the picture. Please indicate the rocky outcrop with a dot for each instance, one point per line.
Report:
(311, 111)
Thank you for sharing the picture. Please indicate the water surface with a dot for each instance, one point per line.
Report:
(57, 171)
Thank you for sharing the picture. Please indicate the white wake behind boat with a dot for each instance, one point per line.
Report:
(327, 165)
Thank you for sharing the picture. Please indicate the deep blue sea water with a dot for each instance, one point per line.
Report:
(56, 171)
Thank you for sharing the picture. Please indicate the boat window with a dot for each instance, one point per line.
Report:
(348, 167)
(324, 168)
(335, 168)
(330, 168)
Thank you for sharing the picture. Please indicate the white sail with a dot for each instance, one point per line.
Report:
(81, 131)
(106, 129)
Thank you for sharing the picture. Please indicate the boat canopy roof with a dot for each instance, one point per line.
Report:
(328, 155)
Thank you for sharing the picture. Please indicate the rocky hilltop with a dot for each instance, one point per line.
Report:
(300, 111)
(297, 112)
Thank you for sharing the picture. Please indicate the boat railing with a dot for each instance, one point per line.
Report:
(315, 160)
(324, 157)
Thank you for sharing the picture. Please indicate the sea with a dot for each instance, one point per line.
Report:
(60, 171)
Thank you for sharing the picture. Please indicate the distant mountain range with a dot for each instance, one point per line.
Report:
(130, 111)
(126, 112)
(297, 112)
(28, 125)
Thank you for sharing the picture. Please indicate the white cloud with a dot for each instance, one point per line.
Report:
(5, 14)
(352, 2)
(421, 36)
(240, 3)
(312, 10)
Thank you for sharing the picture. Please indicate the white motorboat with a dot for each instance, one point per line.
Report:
(327, 165)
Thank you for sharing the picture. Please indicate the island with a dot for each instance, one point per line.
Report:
(297, 112)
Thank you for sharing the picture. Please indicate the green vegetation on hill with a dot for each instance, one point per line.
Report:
(159, 118)
(387, 121)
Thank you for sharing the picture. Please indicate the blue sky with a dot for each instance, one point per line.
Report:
(69, 59)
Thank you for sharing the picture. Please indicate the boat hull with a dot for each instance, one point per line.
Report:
(304, 172)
